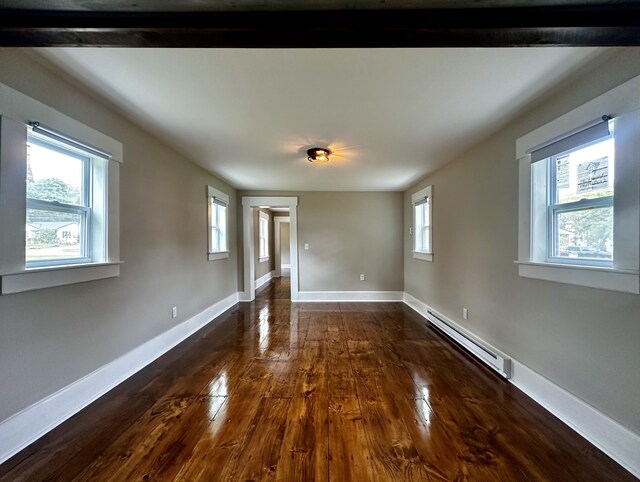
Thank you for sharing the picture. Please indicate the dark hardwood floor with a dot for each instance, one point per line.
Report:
(315, 391)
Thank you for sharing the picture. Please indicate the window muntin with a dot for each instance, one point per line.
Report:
(263, 236)
(578, 206)
(59, 203)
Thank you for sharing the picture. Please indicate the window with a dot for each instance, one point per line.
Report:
(421, 203)
(218, 224)
(59, 200)
(263, 236)
(579, 202)
(60, 206)
(572, 198)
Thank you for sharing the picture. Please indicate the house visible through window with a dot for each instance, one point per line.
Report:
(572, 199)
(421, 202)
(60, 227)
(218, 224)
(264, 236)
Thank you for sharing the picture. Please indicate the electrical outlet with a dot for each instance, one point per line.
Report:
(362, 277)
(410, 231)
(306, 246)
(465, 313)
(174, 312)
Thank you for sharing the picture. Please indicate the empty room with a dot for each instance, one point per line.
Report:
(334, 241)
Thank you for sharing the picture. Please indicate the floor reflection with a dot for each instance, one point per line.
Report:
(263, 330)
(219, 386)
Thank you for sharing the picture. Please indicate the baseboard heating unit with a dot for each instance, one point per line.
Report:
(489, 356)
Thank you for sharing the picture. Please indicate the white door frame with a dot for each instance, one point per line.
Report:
(249, 202)
(277, 221)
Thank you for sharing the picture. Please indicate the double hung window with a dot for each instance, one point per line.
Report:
(59, 198)
(579, 202)
(218, 224)
(264, 236)
(573, 194)
(421, 203)
(60, 205)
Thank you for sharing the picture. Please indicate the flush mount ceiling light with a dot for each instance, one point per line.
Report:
(318, 154)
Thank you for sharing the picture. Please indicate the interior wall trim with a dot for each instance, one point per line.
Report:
(28, 425)
(264, 279)
(350, 296)
(615, 440)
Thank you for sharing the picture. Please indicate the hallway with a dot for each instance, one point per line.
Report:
(313, 391)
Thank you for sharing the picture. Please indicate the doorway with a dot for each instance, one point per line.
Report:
(282, 242)
(250, 202)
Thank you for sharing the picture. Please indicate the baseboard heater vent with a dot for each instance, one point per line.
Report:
(489, 356)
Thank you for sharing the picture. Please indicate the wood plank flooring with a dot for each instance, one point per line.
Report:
(313, 392)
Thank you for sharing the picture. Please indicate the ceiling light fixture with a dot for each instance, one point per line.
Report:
(318, 154)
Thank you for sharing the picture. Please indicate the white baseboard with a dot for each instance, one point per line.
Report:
(350, 296)
(264, 279)
(28, 425)
(618, 442)
(285, 266)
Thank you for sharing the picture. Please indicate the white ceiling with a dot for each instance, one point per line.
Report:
(390, 115)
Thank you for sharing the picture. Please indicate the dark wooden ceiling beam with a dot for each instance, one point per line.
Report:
(482, 27)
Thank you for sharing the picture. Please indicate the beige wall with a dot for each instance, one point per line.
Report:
(268, 265)
(285, 240)
(348, 233)
(52, 337)
(585, 340)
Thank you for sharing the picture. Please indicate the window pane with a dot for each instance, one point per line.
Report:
(425, 239)
(585, 173)
(214, 213)
(215, 239)
(263, 247)
(53, 235)
(53, 174)
(586, 234)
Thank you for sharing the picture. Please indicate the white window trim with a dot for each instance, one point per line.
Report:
(214, 193)
(427, 192)
(624, 275)
(16, 110)
(265, 216)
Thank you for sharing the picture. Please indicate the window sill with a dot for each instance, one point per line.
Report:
(627, 281)
(218, 255)
(423, 256)
(263, 259)
(39, 278)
